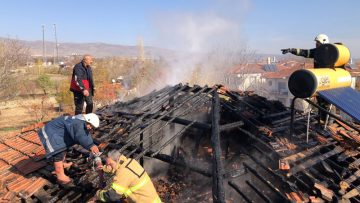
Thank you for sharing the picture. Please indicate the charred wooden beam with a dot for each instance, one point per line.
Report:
(171, 139)
(276, 114)
(142, 147)
(236, 97)
(306, 153)
(320, 177)
(237, 189)
(176, 120)
(162, 146)
(257, 191)
(159, 129)
(218, 185)
(159, 97)
(156, 106)
(310, 162)
(230, 126)
(268, 183)
(302, 183)
(263, 144)
(268, 157)
(132, 137)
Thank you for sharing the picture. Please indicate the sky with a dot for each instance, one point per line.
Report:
(190, 25)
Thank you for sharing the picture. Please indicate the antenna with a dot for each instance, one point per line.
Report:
(141, 49)
(44, 48)
(56, 46)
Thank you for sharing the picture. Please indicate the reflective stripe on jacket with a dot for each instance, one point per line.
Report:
(132, 182)
(63, 132)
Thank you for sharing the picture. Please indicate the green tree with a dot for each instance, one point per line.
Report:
(45, 83)
(64, 97)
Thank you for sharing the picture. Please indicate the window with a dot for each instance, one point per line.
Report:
(281, 86)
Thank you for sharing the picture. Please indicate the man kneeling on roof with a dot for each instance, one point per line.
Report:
(63, 132)
(130, 182)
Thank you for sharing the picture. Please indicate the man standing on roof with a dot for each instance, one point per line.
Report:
(82, 85)
(63, 132)
(309, 53)
(130, 182)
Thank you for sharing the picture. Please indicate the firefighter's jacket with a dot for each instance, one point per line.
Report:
(131, 182)
(64, 132)
(307, 53)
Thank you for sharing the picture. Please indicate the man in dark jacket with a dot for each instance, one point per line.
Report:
(63, 132)
(82, 85)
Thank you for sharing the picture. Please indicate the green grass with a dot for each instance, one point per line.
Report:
(12, 128)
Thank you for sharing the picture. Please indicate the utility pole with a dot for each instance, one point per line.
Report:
(44, 48)
(56, 46)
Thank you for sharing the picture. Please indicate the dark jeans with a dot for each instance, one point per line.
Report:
(57, 157)
(79, 100)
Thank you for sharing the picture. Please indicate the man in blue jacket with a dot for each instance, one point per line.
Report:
(63, 132)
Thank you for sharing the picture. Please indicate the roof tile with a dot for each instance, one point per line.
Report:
(31, 137)
(18, 157)
(29, 165)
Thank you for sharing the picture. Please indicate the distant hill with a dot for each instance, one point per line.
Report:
(95, 49)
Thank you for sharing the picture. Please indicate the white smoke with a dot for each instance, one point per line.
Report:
(198, 35)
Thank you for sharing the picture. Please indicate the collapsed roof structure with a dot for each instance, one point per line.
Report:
(201, 144)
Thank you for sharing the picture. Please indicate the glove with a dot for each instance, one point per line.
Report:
(285, 51)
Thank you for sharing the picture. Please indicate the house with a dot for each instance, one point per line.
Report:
(277, 82)
(248, 76)
(244, 77)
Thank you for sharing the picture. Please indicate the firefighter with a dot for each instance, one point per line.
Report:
(310, 53)
(63, 132)
(130, 181)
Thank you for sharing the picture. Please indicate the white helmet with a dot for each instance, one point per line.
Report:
(93, 119)
(322, 39)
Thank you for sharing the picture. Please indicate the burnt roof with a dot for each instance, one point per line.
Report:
(238, 141)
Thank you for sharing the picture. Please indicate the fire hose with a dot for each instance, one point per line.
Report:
(96, 163)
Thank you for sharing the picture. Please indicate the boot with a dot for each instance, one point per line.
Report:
(59, 172)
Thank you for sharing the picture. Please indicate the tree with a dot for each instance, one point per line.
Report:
(12, 55)
(42, 109)
(107, 93)
(45, 83)
(64, 97)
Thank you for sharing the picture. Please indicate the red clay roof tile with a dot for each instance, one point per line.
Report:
(18, 155)
(31, 137)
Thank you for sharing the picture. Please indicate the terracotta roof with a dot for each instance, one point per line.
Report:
(247, 69)
(259, 68)
(282, 73)
(354, 72)
(20, 156)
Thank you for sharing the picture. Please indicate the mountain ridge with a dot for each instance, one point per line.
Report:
(97, 49)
